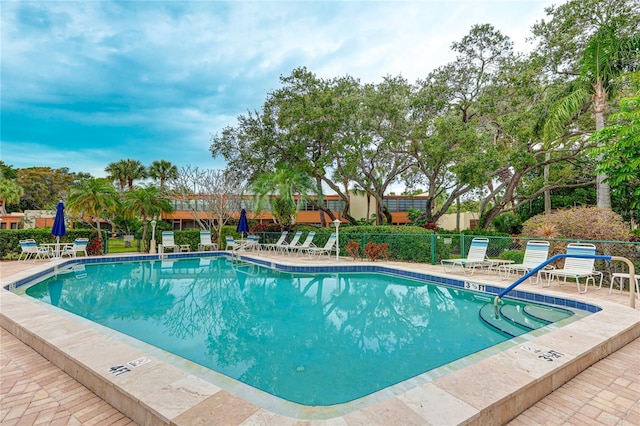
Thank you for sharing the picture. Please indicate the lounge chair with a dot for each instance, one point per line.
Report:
(292, 243)
(475, 258)
(278, 244)
(252, 243)
(205, 241)
(535, 253)
(575, 267)
(168, 243)
(30, 250)
(231, 243)
(79, 245)
(327, 249)
(308, 242)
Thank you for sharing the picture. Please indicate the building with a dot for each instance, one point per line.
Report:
(361, 207)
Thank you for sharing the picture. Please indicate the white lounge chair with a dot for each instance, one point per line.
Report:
(278, 244)
(535, 253)
(575, 267)
(30, 250)
(252, 243)
(308, 242)
(475, 258)
(231, 243)
(168, 242)
(79, 245)
(327, 249)
(292, 243)
(205, 241)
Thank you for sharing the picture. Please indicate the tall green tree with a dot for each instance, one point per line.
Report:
(116, 172)
(146, 202)
(162, 171)
(93, 198)
(619, 149)
(125, 172)
(43, 187)
(589, 44)
(10, 193)
(300, 125)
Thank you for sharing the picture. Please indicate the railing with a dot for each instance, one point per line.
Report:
(632, 296)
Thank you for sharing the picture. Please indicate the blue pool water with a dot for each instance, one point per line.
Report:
(318, 339)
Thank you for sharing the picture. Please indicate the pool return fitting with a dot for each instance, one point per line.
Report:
(632, 296)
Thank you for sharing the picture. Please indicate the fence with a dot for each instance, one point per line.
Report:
(434, 247)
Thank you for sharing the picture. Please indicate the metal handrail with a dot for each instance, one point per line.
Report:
(632, 297)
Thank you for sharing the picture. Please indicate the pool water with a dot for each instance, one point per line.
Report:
(313, 339)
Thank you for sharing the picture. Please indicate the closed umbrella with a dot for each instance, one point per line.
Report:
(59, 229)
(243, 224)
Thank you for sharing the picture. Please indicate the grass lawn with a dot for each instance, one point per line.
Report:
(116, 245)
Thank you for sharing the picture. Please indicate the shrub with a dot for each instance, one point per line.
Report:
(515, 255)
(583, 223)
(94, 248)
(507, 223)
(353, 249)
(375, 251)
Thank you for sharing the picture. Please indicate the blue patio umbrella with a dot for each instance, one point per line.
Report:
(243, 224)
(59, 229)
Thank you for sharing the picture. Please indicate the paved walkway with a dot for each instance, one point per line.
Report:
(34, 391)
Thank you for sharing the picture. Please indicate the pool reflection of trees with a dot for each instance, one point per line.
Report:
(272, 330)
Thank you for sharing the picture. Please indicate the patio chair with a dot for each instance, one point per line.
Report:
(292, 243)
(535, 253)
(168, 243)
(576, 268)
(475, 257)
(231, 243)
(30, 250)
(205, 241)
(327, 249)
(278, 244)
(252, 243)
(79, 245)
(308, 242)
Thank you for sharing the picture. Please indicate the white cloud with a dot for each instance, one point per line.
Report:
(156, 79)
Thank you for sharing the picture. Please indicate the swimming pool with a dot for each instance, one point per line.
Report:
(296, 336)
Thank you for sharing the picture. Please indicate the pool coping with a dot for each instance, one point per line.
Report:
(493, 390)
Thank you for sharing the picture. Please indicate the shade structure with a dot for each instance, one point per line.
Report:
(243, 224)
(59, 228)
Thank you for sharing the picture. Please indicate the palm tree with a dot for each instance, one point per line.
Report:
(284, 184)
(134, 170)
(605, 58)
(93, 197)
(116, 172)
(10, 193)
(161, 171)
(145, 202)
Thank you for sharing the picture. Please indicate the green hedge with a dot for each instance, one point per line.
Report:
(406, 243)
(10, 239)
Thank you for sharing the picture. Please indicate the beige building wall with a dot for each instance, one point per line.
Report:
(358, 207)
(448, 221)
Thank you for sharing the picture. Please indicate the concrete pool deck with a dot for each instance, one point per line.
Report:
(490, 391)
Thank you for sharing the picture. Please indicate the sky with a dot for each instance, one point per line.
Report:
(87, 83)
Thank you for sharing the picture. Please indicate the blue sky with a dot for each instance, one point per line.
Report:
(87, 83)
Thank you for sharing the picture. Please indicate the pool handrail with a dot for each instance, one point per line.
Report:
(632, 299)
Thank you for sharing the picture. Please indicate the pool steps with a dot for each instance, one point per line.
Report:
(513, 321)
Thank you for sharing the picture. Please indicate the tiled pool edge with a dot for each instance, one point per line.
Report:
(507, 401)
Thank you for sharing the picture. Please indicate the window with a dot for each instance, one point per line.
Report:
(404, 204)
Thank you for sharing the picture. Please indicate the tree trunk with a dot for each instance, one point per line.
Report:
(603, 189)
(547, 193)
